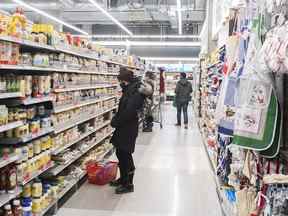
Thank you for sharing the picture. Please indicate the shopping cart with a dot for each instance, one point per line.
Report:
(157, 112)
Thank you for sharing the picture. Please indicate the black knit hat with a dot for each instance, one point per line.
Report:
(125, 75)
(183, 75)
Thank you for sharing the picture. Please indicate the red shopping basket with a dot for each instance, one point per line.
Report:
(101, 173)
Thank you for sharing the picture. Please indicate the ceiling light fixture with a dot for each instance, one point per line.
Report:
(144, 36)
(110, 17)
(49, 16)
(179, 17)
(150, 43)
(178, 59)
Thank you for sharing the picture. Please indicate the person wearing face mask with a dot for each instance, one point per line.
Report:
(126, 122)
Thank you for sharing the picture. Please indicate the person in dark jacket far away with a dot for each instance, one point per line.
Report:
(126, 123)
(183, 95)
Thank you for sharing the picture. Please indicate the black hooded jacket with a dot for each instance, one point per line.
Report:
(126, 119)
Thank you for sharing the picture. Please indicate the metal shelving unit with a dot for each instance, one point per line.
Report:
(10, 95)
(17, 99)
(10, 126)
(51, 69)
(58, 49)
(59, 109)
(10, 159)
(57, 169)
(38, 173)
(28, 138)
(80, 119)
(83, 136)
(79, 88)
(5, 198)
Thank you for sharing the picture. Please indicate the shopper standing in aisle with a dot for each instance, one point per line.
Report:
(183, 96)
(126, 123)
(147, 89)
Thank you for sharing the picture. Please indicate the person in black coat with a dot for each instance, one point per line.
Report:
(126, 123)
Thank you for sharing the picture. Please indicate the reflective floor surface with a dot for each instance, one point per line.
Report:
(173, 178)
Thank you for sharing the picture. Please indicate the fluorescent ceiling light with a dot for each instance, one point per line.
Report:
(49, 16)
(179, 17)
(149, 43)
(169, 59)
(110, 17)
(145, 36)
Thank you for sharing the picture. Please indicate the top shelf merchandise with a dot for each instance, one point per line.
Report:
(16, 31)
(243, 110)
(57, 98)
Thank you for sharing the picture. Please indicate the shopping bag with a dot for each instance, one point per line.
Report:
(174, 102)
(101, 173)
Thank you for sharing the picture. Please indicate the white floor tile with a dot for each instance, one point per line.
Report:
(173, 178)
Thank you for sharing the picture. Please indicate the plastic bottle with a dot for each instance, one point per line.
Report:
(8, 210)
(3, 176)
(26, 206)
(11, 179)
(17, 209)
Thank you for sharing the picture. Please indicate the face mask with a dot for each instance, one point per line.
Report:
(123, 85)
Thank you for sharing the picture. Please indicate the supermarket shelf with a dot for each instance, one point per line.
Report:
(56, 170)
(30, 101)
(10, 126)
(78, 88)
(51, 69)
(60, 49)
(12, 158)
(24, 139)
(62, 127)
(10, 95)
(73, 183)
(59, 109)
(69, 186)
(46, 209)
(57, 151)
(5, 198)
(51, 164)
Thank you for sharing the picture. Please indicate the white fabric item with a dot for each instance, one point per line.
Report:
(275, 178)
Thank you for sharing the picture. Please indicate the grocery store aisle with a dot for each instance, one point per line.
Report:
(173, 178)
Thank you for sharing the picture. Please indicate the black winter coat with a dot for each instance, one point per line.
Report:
(183, 91)
(126, 120)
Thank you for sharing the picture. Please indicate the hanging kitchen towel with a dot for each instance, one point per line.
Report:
(255, 128)
(225, 110)
(232, 51)
(273, 150)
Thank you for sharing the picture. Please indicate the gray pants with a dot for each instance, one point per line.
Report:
(182, 106)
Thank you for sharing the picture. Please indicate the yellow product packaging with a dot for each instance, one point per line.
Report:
(49, 142)
(37, 189)
(29, 168)
(44, 203)
(27, 190)
(43, 144)
(30, 150)
(37, 205)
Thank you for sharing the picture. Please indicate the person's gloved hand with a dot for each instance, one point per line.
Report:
(114, 122)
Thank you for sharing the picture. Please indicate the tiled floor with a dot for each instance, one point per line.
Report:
(173, 178)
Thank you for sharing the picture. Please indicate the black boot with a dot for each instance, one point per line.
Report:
(128, 186)
(131, 177)
(122, 189)
(116, 183)
(147, 129)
